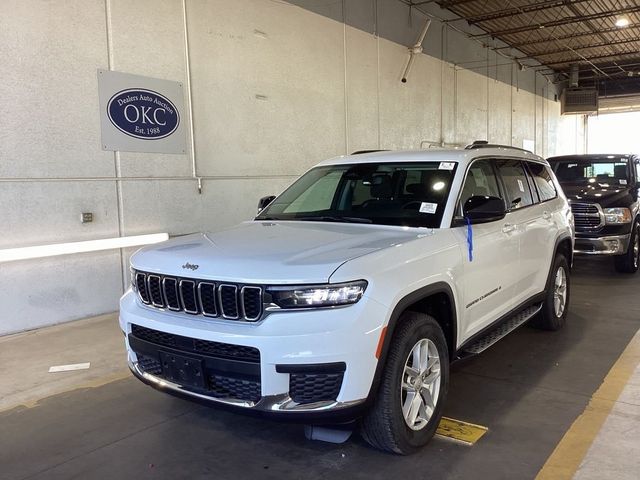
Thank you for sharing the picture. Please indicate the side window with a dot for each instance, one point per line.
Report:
(481, 180)
(637, 170)
(515, 182)
(543, 181)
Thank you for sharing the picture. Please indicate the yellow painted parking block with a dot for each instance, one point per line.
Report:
(464, 432)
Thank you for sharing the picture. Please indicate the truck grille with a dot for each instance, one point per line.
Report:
(200, 297)
(205, 347)
(587, 216)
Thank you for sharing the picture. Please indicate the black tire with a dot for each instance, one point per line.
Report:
(384, 426)
(628, 263)
(548, 319)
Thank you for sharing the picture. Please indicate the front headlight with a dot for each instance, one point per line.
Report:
(309, 296)
(617, 215)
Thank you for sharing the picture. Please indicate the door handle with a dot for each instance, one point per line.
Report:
(508, 227)
(546, 215)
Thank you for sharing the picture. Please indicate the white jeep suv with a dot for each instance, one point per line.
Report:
(350, 294)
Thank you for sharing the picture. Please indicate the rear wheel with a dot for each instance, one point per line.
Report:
(628, 263)
(554, 310)
(413, 389)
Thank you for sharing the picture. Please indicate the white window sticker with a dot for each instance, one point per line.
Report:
(446, 165)
(426, 207)
(623, 181)
(520, 185)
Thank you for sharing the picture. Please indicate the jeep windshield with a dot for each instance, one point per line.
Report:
(602, 170)
(405, 194)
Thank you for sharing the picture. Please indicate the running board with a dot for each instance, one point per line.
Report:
(502, 330)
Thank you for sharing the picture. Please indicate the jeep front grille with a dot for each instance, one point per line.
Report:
(588, 217)
(200, 297)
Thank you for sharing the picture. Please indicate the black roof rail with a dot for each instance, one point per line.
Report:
(359, 152)
(485, 144)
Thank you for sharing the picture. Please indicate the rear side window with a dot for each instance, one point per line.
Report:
(543, 181)
(515, 183)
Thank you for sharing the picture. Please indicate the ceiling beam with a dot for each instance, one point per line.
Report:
(510, 12)
(559, 22)
(590, 59)
(567, 37)
(585, 47)
(453, 3)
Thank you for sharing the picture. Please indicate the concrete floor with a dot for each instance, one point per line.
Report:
(528, 389)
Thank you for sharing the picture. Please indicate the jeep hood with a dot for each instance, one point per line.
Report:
(270, 252)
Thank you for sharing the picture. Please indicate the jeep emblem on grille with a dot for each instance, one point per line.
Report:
(190, 266)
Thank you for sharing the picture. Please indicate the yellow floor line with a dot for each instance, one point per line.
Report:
(567, 457)
(98, 382)
(464, 432)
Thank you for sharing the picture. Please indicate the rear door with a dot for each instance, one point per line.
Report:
(531, 222)
(538, 243)
(488, 271)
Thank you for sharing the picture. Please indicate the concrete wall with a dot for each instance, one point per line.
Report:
(275, 87)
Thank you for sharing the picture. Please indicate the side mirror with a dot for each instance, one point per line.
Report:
(483, 209)
(264, 202)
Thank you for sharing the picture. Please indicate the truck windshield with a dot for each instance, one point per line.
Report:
(405, 194)
(592, 171)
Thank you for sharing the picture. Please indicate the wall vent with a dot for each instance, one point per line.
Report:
(576, 101)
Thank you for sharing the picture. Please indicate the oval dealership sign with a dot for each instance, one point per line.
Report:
(143, 114)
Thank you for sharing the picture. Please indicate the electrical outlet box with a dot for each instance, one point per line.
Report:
(86, 217)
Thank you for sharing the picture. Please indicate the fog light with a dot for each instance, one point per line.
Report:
(612, 245)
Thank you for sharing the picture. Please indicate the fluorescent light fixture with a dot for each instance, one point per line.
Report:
(622, 22)
(40, 251)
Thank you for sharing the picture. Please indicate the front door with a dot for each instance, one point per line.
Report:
(489, 270)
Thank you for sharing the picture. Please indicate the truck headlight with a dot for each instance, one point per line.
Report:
(617, 215)
(309, 296)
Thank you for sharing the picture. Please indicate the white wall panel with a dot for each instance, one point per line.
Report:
(523, 117)
(268, 87)
(409, 112)
(39, 213)
(499, 110)
(471, 106)
(159, 40)
(49, 125)
(448, 102)
(174, 206)
(51, 290)
(362, 90)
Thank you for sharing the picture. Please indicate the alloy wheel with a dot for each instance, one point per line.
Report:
(636, 247)
(420, 388)
(560, 292)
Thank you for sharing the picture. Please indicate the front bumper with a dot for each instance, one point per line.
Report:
(292, 346)
(279, 407)
(609, 245)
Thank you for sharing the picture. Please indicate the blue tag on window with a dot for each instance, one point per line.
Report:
(470, 239)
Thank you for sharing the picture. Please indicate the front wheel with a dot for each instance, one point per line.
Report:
(553, 313)
(413, 389)
(628, 263)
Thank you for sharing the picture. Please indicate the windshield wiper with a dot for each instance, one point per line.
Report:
(329, 218)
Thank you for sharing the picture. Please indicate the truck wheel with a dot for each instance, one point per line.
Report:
(554, 310)
(408, 404)
(628, 263)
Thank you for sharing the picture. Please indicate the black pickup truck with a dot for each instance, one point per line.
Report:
(603, 193)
